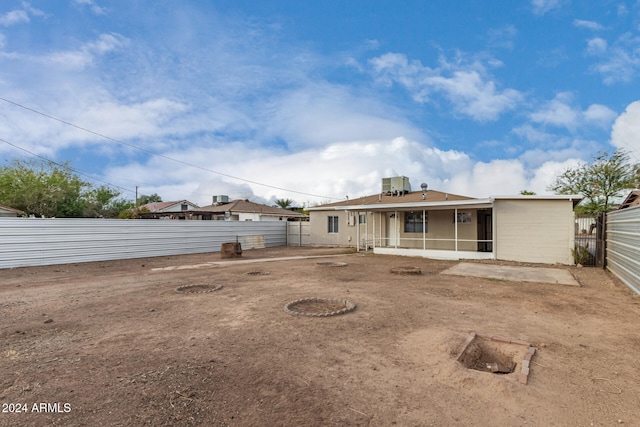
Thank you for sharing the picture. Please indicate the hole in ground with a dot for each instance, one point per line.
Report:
(331, 264)
(319, 307)
(492, 356)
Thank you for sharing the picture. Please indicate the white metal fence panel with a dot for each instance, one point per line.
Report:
(32, 241)
(623, 245)
(298, 233)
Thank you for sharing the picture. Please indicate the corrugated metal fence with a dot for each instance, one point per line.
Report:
(623, 245)
(31, 242)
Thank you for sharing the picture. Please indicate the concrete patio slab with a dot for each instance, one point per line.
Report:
(513, 273)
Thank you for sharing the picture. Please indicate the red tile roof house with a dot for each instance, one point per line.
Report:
(7, 212)
(434, 224)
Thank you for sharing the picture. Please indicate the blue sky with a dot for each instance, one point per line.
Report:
(319, 100)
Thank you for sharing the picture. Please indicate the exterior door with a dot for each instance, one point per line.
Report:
(485, 230)
(392, 229)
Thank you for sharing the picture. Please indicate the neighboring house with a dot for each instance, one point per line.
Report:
(434, 224)
(179, 209)
(7, 212)
(244, 210)
(632, 199)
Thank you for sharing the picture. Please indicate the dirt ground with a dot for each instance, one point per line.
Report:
(115, 344)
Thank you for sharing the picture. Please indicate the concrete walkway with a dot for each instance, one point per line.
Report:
(514, 274)
(211, 264)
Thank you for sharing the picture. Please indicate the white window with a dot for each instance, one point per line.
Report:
(333, 224)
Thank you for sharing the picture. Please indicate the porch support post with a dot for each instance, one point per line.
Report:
(396, 236)
(357, 221)
(424, 231)
(373, 227)
(494, 245)
(455, 222)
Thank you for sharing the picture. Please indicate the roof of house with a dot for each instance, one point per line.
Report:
(432, 199)
(245, 206)
(165, 206)
(415, 196)
(632, 199)
(12, 210)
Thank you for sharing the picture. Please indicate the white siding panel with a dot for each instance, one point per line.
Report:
(534, 230)
(30, 242)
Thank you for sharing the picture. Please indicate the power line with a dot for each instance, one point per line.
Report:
(62, 165)
(160, 155)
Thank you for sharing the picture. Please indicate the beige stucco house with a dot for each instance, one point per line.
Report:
(434, 224)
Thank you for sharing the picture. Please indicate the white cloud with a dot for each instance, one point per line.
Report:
(321, 114)
(589, 25)
(560, 113)
(467, 86)
(13, 17)
(540, 7)
(86, 54)
(597, 46)
(95, 8)
(598, 115)
(502, 37)
(475, 97)
(625, 133)
(557, 112)
(622, 60)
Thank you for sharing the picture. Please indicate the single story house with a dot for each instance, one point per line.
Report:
(435, 224)
(7, 212)
(178, 209)
(245, 210)
(632, 199)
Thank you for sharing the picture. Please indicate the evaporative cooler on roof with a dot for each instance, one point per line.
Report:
(396, 184)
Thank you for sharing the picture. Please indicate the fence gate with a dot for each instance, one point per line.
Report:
(589, 240)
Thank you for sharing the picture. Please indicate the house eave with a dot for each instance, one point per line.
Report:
(426, 205)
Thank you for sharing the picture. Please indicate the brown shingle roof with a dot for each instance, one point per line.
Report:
(159, 206)
(416, 196)
(245, 206)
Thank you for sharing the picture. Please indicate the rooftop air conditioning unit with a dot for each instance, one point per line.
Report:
(220, 199)
(397, 184)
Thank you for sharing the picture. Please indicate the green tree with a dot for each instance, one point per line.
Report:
(102, 202)
(42, 188)
(48, 189)
(284, 203)
(528, 193)
(598, 182)
(143, 199)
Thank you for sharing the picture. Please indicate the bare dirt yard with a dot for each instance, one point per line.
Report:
(117, 344)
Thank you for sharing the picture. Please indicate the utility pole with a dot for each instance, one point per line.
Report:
(136, 196)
